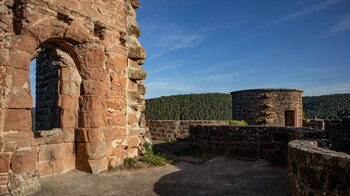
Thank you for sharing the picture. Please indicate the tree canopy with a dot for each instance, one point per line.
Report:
(218, 106)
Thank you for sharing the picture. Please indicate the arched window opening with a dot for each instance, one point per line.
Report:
(55, 85)
(44, 86)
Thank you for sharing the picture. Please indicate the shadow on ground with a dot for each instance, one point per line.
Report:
(190, 175)
(220, 176)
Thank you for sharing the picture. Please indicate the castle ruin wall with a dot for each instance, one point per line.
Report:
(95, 112)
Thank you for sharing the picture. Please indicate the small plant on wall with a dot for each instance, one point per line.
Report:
(129, 162)
(238, 123)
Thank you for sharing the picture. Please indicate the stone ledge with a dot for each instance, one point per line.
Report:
(313, 170)
(311, 146)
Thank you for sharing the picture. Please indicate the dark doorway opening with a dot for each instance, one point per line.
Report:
(289, 118)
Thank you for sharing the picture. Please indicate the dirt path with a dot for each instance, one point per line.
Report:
(218, 176)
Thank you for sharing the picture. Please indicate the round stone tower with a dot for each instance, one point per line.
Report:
(268, 107)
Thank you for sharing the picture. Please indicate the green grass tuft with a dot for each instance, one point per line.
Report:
(152, 159)
(129, 162)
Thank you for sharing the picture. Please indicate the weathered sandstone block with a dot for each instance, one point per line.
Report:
(18, 120)
(136, 74)
(23, 160)
(4, 163)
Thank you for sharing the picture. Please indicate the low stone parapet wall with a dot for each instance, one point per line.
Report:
(332, 124)
(313, 170)
(249, 142)
(327, 124)
(339, 135)
(340, 140)
(179, 129)
(318, 124)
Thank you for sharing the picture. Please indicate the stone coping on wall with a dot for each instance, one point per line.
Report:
(314, 170)
(314, 147)
(267, 90)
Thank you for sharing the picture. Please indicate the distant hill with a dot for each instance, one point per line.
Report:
(218, 106)
(209, 106)
(327, 106)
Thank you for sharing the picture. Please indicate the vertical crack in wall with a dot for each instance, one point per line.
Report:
(17, 10)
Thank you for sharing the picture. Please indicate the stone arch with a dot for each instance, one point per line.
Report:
(101, 39)
(38, 154)
(58, 102)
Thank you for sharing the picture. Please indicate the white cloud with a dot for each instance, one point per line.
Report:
(158, 54)
(178, 40)
(188, 41)
(342, 25)
(167, 67)
(315, 8)
(171, 87)
(220, 77)
(172, 37)
(327, 89)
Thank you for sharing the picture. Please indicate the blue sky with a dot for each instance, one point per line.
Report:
(200, 46)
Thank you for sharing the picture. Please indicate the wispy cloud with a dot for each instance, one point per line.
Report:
(176, 38)
(327, 89)
(222, 76)
(223, 27)
(188, 42)
(167, 87)
(315, 8)
(167, 67)
(342, 25)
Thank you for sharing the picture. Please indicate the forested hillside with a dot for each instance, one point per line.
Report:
(216, 106)
(327, 106)
(211, 106)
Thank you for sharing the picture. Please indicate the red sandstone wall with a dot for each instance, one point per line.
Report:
(101, 38)
(55, 152)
